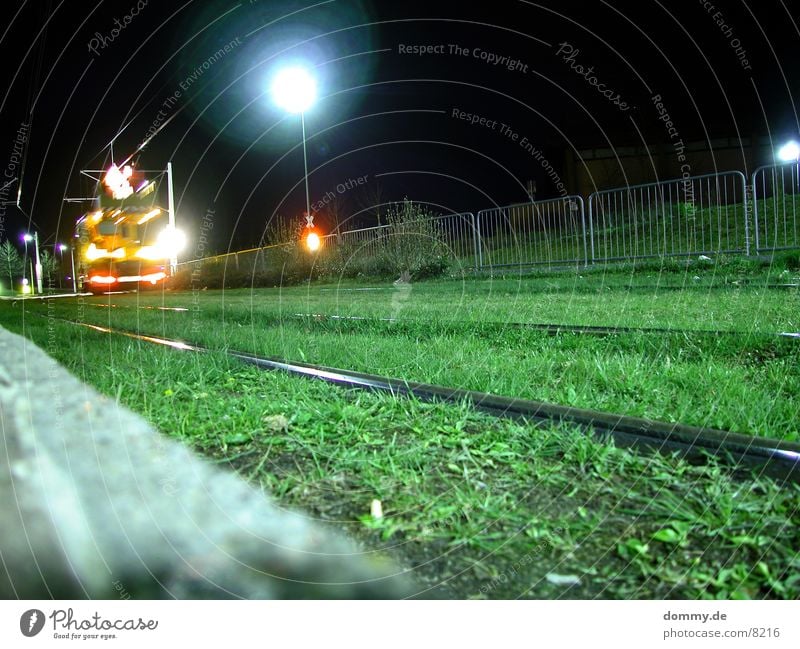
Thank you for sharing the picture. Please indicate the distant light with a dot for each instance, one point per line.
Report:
(152, 213)
(171, 241)
(294, 89)
(118, 181)
(312, 241)
(789, 152)
(62, 247)
(102, 279)
(27, 237)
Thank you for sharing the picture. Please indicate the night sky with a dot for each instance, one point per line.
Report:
(433, 101)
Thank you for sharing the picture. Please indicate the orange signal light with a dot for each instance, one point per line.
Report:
(313, 241)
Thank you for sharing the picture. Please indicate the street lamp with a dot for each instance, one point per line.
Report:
(35, 239)
(789, 152)
(61, 248)
(294, 90)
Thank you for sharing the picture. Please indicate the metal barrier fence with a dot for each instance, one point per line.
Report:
(543, 232)
(454, 236)
(241, 260)
(686, 216)
(708, 214)
(776, 190)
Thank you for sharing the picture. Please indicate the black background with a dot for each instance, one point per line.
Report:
(379, 112)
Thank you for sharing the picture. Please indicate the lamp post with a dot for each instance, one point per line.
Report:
(61, 248)
(35, 239)
(294, 90)
(789, 152)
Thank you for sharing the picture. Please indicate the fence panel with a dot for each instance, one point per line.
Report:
(456, 232)
(459, 233)
(543, 232)
(776, 193)
(686, 216)
(366, 241)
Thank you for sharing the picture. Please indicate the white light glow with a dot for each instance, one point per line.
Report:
(294, 89)
(151, 214)
(312, 241)
(789, 152)
(171, 241)
(118, 181)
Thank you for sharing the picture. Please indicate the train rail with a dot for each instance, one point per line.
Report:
(550, 328)
(776, 458)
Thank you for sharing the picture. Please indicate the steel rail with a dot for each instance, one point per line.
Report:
(554, 329)
(550, 328)
(776, 458)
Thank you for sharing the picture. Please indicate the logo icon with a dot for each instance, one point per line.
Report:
(31, 622)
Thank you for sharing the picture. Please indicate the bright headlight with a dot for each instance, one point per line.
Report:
(150, 253)
(171, 241)
(93, 252)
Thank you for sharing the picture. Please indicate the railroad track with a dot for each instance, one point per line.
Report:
(776, 458)
(550, 328)
(563, 328)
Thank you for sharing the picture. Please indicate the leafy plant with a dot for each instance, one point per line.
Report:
(50, 267)
(412, 243)
(11, 265)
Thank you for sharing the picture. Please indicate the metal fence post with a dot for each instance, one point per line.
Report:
(476, 241)
(583, 227)
(746, 216)
(476, 229)
(591, 225)
(755, 206)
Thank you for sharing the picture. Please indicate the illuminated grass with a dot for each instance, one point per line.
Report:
(455, 334)
(478, 507)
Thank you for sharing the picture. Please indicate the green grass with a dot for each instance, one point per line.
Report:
(477, 507)
(455, 334)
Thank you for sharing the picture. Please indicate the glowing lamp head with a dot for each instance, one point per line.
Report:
(118, 181)
(789, 152)
(62, 247)
(313, 241)
(171, 241)
(27, 238)
(294, 89)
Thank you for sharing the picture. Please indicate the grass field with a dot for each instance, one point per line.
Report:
(481, 507)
